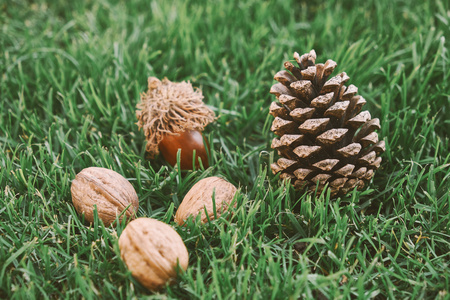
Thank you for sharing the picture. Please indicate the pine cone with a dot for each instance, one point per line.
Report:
(323, 137)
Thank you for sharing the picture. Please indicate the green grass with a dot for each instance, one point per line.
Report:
(71, 73)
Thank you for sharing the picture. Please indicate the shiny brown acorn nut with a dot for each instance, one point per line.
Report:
(188, 142)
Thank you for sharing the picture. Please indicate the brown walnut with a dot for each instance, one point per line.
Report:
(109, 191)
(200, 197)
(152, 251)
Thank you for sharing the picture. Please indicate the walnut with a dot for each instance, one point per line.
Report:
(153, 251)
(200, 197)
(106, 189)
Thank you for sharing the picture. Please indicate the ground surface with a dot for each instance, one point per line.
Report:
(71, 73)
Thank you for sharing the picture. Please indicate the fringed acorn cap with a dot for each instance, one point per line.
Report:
(170, 108)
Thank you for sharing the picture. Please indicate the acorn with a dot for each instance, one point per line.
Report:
(173, 117)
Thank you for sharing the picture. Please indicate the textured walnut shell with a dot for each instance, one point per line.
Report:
(152, 251)
(200, 197)
(106, 189)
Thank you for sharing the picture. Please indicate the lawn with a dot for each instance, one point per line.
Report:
(71, 75)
